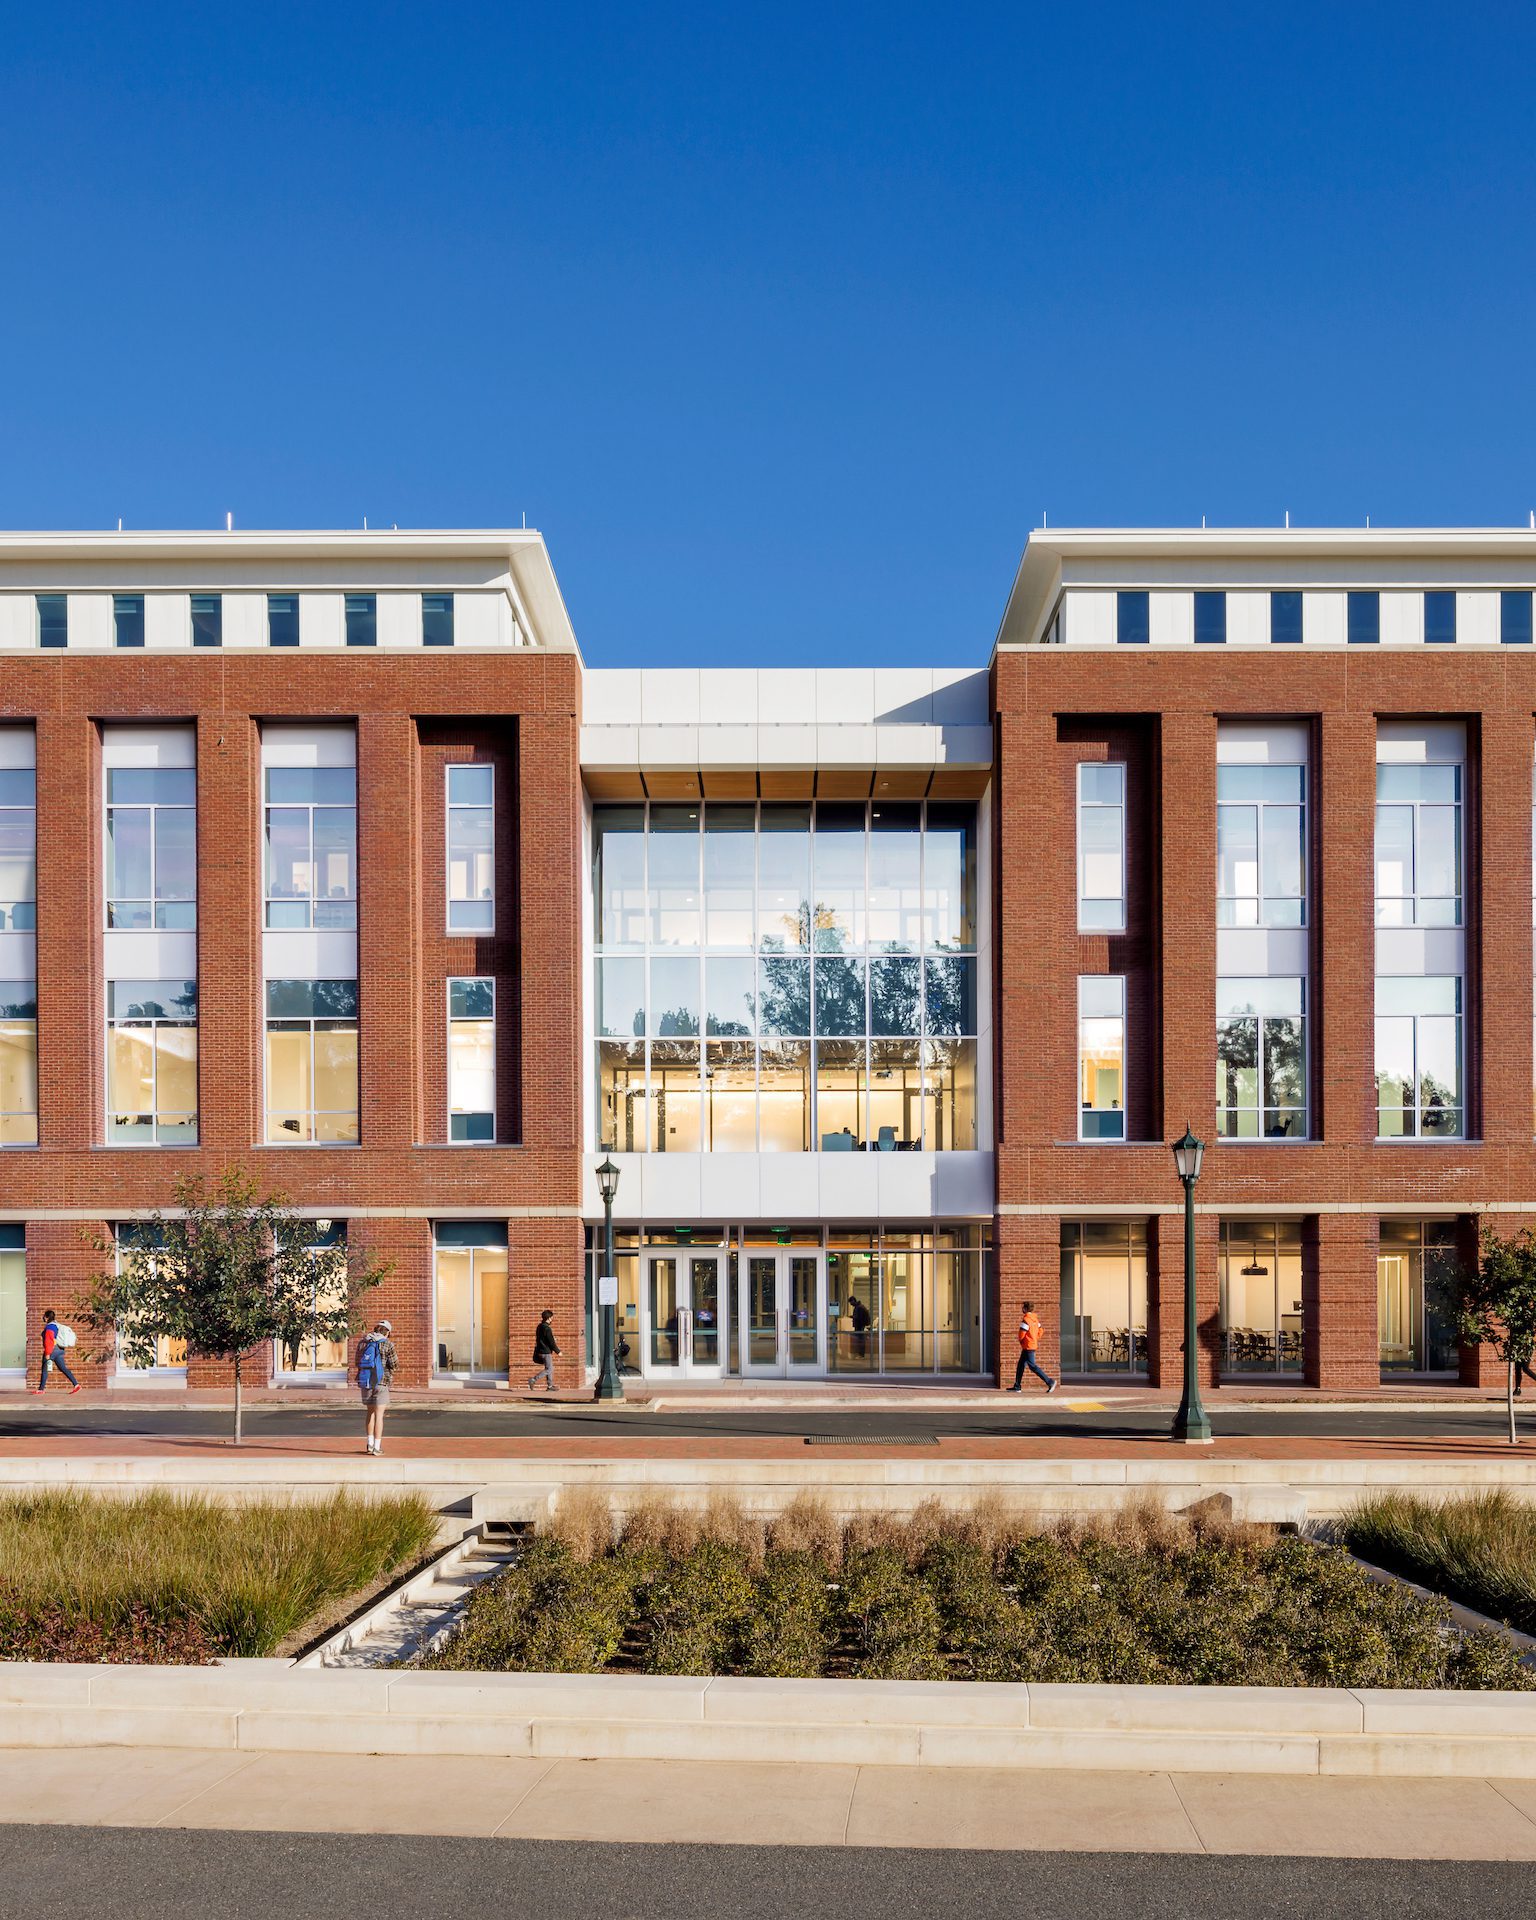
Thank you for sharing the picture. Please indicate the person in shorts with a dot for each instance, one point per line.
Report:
(375, 1365)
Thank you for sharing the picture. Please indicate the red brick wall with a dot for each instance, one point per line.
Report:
(1049, 701)
(402, 1170)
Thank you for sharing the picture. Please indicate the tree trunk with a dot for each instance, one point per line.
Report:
(1509, 1397)
(237, 1400)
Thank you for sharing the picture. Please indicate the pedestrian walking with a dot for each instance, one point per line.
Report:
(1522, 1369)
(1029, 1346)
(57, 1341)
(375, 1364)
(544, 1351)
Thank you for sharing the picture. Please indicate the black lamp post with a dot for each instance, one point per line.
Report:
(609, 1384)
(1191, 1423)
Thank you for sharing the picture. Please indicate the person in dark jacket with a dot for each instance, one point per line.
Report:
(544, 1350)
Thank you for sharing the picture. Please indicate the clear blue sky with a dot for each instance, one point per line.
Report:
(785, 323)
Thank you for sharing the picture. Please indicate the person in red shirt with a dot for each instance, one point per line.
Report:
(1029, 1343)
(53, 1355)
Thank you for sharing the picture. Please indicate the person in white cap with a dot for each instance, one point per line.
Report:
(375, 1364)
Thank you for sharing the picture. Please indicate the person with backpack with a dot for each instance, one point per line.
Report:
(375, 1363)
(544, 1350)
(57, 1340)
(1029, 1351)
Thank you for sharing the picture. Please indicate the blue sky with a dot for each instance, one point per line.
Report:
(785, 324)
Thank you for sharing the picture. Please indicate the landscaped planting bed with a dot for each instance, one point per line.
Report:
(167, 1577)
(1480, 1550)
(1137, 1596)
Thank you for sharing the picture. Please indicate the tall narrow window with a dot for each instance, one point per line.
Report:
(1440, 619)
(151, 847)
(18, 849)
(53, 620)
(311, 850)
(207, 620)
(18, 1063)
(13, 1299)
(282, 619)
(1261, 1059)
(471, 849)
(1418, 1058)
(138, 1242)
(362, 620)
(1101, 847)
(1364, 619)
(471, 1297)
(305, 1353)
(128, 619)
(312, 1062)
(472, 1060)
(1210, 619)
(1515, 619)
(437, 619)
(1418, 844)
(1261, 846)
(1101, 1056)
(1133, 619)
(152, 1063)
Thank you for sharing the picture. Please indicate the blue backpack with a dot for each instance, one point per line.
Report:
(370, 1364)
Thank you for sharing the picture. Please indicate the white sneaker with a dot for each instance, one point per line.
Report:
(1052, 1388)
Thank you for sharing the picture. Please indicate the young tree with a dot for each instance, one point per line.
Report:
(1497, 1305)
(228, 1270)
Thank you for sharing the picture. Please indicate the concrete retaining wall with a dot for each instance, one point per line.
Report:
(267, 1705)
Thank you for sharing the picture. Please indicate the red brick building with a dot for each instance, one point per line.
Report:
(886, 989)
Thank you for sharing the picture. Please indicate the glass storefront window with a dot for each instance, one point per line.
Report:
(13, 1299)
(1104, 1296)
(1261, 1311)
(471, 1299)
(328, 1264)
(1416, 1266)
(858, 1018)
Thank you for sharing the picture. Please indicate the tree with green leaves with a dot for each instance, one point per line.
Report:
(1497, 1304)
(225, 1271)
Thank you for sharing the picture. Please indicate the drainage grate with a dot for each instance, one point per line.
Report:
(871, 1440)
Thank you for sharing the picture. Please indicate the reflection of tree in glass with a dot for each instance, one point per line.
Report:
(1282, 1063)
(784, 997)
(895, 998)
(840, 997)
(950, 995)
(679, 1022)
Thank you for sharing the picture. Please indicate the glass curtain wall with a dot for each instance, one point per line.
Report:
(328, 1288)
(783, 979)
(898, 1301)
(13, 1299)
(1416, 1265)
(1104, 1296)
(1261, 1311)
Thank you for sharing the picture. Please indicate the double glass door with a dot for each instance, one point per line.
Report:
(682, 1299)
(783, 1312)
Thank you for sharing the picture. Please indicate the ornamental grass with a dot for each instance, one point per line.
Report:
(182, 1578)
(1138, 1595)
(1481, 1550)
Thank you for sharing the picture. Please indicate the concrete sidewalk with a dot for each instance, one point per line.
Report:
(747, 1804)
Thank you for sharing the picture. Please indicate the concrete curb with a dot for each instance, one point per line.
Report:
(1318, 1730)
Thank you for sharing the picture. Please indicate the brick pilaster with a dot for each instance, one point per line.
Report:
(545, 1268)
(1340, 1317)
(1165, 1297)
(1027, 1261)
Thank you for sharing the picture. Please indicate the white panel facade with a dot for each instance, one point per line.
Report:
(1171, 619)
(477, 619)
(167, 620)
(1088, 618)
(18, 621)
(90, 622)
(399, 619)
(1477, 619)
(245, 619)
(1247, 619)
(1324, 618)
(130, 746)
(1402, 619)
(322, 620)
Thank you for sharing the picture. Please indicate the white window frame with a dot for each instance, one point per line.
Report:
(1416, 806)
(309, 808)
(1260, 807)
(328, 1376)
(124, 1375)
(1262, 1139)
(20, 807)
(449, 984)
(154, 808)
(1419, 1137)
(311, 1021)
(9, 996)
(450, 807)
(1103, 1139)
(1105, 807)
(152, 1023)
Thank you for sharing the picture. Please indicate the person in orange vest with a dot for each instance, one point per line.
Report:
(1029, 1343)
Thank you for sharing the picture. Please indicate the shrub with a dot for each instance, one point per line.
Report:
(790, 1631)
(889, 1616)
(550, 1613)
(698, 1611)
(986, 1634)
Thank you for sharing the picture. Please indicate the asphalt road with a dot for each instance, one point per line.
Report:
(586, 1421)
(67, 1873)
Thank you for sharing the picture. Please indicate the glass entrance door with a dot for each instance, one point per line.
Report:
(682, 1314)
(783, 1311)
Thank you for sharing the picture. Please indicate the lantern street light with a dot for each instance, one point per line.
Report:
(609, 1385)
(1191, 1423)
